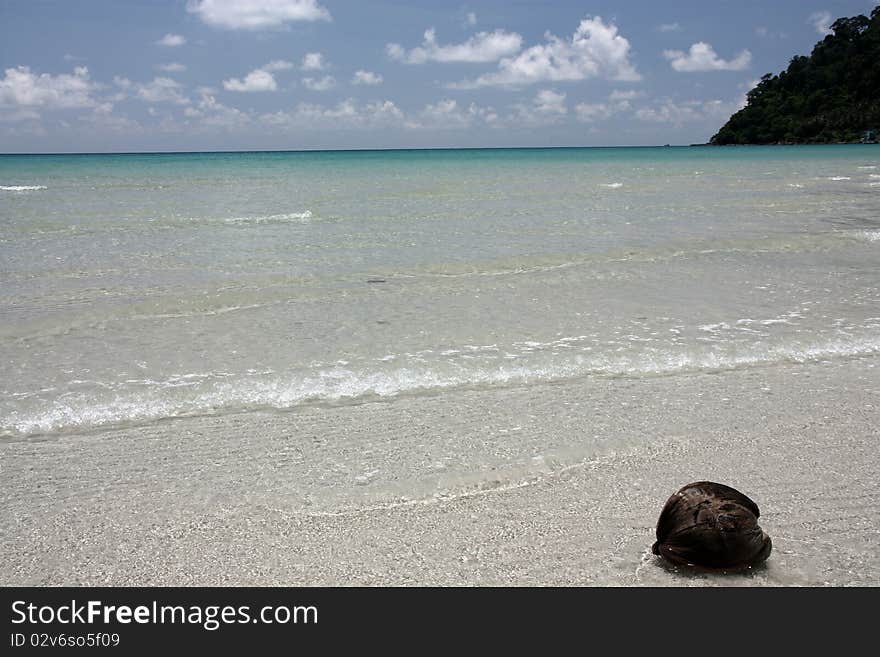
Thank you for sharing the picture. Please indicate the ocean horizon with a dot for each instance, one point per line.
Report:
(428, 149)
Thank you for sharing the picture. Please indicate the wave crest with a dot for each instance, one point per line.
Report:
(136, 402)
(22, 188)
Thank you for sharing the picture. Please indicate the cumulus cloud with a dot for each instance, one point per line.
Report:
(256, 14)
(161, 90)
(26, 91)
(171, 41)
(173, 67)
(313, 61)
(702, 57)
(594, 50)
(482, 47)
(366, 78)
(256, 80)
(260, 79)
(821, 20)
(319, 84)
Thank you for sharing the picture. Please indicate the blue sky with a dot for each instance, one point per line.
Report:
(159, 75)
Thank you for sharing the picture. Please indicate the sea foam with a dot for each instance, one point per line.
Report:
(296, 217)
(137, 402)
(22, 188)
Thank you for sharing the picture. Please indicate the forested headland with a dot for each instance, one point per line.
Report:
(831, 96)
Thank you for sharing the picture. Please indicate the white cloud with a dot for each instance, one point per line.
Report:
(256, 14)
(313, 61)
(702, 57)
(161, 90)
(260, 79)
(121, 82)
(103, 120)
(594, 50)
(323, 84)
(21, 88)
(482, 47)
(278, 65)
(821, 20)
(366, 78)
(173, 67)
(590, 112)
(395, 51)
(256, 80)
(345, 115)
(471, 18)
(217, 115)
(618, 102)
(171, 40)
(693, 111)
(618, 96)
(548, 101)
(547, 107)
(447, 114)
(669, 27)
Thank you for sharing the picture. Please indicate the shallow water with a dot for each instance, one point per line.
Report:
(136, 288)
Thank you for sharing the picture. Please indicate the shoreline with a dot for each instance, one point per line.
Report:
(555, 484)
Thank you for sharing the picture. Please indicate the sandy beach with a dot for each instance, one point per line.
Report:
(297, 293)
(564, 487)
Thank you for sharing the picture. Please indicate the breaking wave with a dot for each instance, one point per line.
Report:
(21, 188)
(96, 404)
(272, 218)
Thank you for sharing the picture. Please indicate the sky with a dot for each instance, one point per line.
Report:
(183, 75)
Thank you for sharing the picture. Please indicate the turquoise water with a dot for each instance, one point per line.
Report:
(136, 288)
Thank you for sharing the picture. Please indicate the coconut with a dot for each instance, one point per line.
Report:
(712, 526)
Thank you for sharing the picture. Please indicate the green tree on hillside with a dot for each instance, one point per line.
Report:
(831, 96)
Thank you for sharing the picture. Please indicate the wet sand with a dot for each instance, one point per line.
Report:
(534, 485)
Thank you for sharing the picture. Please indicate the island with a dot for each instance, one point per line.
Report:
(832, 96)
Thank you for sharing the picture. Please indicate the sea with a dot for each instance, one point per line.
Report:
(143, 288)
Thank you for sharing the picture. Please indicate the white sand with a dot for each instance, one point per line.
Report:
(552, 484)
